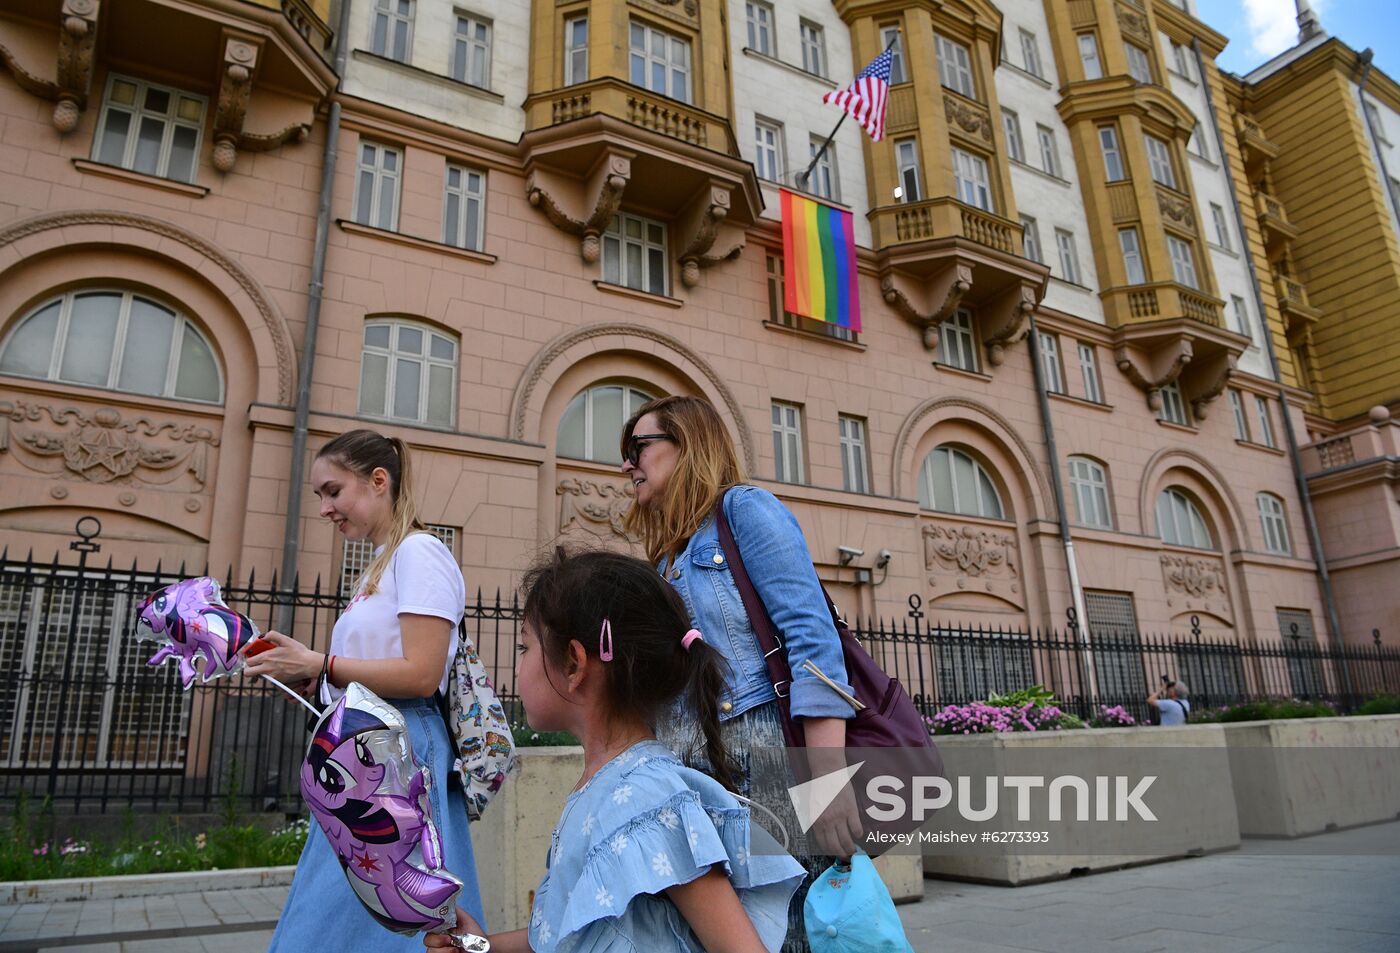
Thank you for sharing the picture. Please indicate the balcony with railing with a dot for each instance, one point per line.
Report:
(639, 107)
(944, 217)
(1163, 300)
(1293, 301)
(1255, 146)
(1273, 218)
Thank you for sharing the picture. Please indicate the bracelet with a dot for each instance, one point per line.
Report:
(325, 663)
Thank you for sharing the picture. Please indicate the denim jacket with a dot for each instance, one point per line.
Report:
(776, 557)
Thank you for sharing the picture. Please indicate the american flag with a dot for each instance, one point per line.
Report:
(866, 97)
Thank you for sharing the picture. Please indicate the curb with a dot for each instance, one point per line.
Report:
(143, 885)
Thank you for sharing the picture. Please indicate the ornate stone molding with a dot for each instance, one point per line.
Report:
(240, 63)
(551, 352)
(1214, 379)
(972, 121)
(1010, 310)
(609, 199)
(980, 559)
(948, 288)
(684, 11)
(76, 40)
(1178, 209)
(1152, 373)
(25, 80)
(695, 256)
(1134, 25)
(277, 331)
(1195, 582)
(102, 448)
(598, 506)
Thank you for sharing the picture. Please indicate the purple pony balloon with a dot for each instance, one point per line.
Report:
(190, 618)
(370, 797)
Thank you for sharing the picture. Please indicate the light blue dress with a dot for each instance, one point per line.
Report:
(642, 824)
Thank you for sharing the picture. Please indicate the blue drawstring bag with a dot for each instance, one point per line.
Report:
(849, 910)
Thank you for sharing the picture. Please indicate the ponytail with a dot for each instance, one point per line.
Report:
(704, 685)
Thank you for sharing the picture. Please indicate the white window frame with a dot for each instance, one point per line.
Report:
(1089, 371)
(1196, 144)
(394, 356)
(1159, 158)
(1173, 406)
(1237, 410)
(385, 180)
(1273, 520)
(768, 149)
(779, 315)
(984, 488)
(1030, 54)
(1222, 227)
(1049, 150)
(1114, 169)
(600, 447)
(575, 54)
(385, 11)
(973, 180)
(1183, 523)
(1131, 246)
(788, 448)
(464, 195)
(1089, 55)
(762, 37)
(855, 462)
(813, 37)
(957, 341)
(1069, 256)
(1183, 262)
(616, 242)
(890, 33)
(1030, 240)
(137, 114)
(955, 66)
(1050, 363)
(675, 59)
(823, 180)
(1088, 482)
(468, 49)
(1015, 146)
(1139, 63)
(1182, 60)
(1242, 319)
(1376, 123)
(1266, 424)
(60, 342)
(906, 157)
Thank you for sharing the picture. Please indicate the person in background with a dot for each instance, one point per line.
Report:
(1171, 702)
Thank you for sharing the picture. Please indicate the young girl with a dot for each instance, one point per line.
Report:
(396, 637)
(648, 854)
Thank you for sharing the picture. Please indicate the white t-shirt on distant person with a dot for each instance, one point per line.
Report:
(422, 578)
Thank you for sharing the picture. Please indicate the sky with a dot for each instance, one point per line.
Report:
(1261, 29)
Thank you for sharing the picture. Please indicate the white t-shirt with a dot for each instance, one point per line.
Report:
(422, 578)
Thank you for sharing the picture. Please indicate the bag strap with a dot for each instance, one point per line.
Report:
(779, 672)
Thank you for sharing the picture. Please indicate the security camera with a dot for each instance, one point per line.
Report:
(848, 553)
(883, 560)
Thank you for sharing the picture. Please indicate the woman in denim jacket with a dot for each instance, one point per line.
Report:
(682, 462)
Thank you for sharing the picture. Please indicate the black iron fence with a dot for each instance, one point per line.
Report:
(85, 722)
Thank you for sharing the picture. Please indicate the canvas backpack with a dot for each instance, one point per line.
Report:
(481, 738)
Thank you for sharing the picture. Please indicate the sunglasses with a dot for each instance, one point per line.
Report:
(639, 442)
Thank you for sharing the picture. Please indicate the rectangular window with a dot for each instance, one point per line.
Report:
(1112, 155)
(1275, 525)
(634, 254)
(393, 29)
(149, 129)
(465, 199)
(1374, 114)
(768, 149)
(1242, 322)
(408, 372)
(1050, 363)
(780, 315)
(1030, 54)
(1139, 63)
(1266, 425)
(890, 34)
(759, 17)
(973, 185)
(823, 181)
(1132, 256)
(1159, 158)
(956, 344)
(1069, 256)
(1089, 56)
(954, 66)
(1030, 239)
(813, 48)
(1090, 485)
(1181, 59)
(1196, 145)
(471, 53)
(1012, 124)
(1237, 410)
(906, 153)
(575, 50)
(787, 442)
(855, 470)
(1089, 370)
(1118, 658)
(1183, 261)
(1306, 676)
(660, 61)
(1222, 229)
(1173, 407)
(377, 186)
(1049, 151)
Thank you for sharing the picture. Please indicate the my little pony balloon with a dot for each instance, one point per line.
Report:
(190, 619)
(370, 797)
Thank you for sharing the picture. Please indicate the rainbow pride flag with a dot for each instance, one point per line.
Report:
(819, 262)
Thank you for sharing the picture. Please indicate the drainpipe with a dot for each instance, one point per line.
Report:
(1057, 485)
(1309, 518)
(1364, 57)
(291, 541)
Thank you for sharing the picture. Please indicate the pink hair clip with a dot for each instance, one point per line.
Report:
(605, 642)
(689, 637)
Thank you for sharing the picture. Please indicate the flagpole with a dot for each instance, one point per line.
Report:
(802, 179)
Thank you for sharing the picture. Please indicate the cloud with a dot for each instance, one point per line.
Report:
(1273, 24)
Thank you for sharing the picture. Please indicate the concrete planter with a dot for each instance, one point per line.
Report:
(512, 841)
(1307, 775)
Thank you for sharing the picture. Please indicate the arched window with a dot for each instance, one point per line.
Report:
(1179, 520)
(408, 371)
(952, 482)
(1089, 483)
(1275, 524)
(591, 428)
(118, 340)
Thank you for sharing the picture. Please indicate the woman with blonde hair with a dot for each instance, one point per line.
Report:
(397, 637)
(681, 460)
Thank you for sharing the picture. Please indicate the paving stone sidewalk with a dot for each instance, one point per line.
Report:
(1336, 893)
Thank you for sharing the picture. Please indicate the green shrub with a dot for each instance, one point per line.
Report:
(1380, 705)
(1265, 710)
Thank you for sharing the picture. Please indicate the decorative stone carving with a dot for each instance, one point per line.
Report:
(1177, 208)
(947, 288)
(974, 122)
(76, 40)
(597, 506)
(1211, 383)
(979, 559)
(695, 257)
(235, 89)
(1199, 581)
(609, 199)
(672, 8)
(1152, 373)
(1004, 321)
(1134, 25)
(25, 80)
(102, 448)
